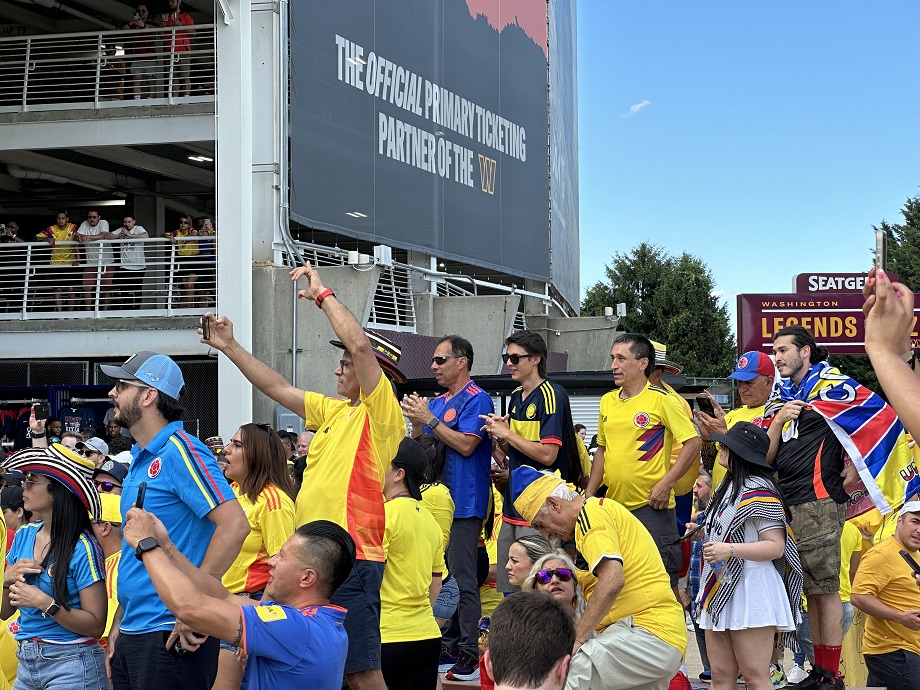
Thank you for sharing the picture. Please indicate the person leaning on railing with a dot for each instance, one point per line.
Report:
(142, 53)
(187, 253)
(180, 45)
(64, 274)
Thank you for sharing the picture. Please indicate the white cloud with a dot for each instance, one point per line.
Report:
(636, 107)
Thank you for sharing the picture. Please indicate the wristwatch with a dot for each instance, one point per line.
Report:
(51, 610)
(144, 545)
(433, 422)
(910, 358)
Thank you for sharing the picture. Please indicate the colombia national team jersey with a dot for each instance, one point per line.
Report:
(349, 454)
(637, 434)
(539, 417)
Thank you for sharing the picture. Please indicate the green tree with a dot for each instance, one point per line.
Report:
(670, 300)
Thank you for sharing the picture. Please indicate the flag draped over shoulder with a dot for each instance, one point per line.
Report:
(866, 426)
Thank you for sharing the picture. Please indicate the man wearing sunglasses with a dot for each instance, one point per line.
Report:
(454, 417)
(108, 477)
(356, 438)
(537, 431)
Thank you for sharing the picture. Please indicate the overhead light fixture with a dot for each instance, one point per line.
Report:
(356, 214)
(201, 159)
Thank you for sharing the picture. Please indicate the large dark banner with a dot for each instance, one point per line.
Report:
(423, 124)
(563, 131)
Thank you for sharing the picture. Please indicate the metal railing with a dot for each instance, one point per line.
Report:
(108, 69)
(107, 278)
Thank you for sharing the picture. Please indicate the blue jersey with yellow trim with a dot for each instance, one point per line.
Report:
(87, 566)
(543, 417)
(184, 484)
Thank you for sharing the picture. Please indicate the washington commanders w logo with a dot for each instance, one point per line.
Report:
(487, 173)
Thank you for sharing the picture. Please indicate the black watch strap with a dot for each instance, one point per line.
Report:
(433, 422)
(144, 545)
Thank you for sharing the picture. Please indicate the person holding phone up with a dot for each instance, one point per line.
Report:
(754, 373)
(885, 589)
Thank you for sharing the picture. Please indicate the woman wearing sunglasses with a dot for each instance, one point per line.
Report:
(554, 574)
(55, 576)
(256, 466)
(751, 580)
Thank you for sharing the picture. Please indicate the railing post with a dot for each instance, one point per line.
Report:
(98, 278)
(98, 71)
(172, 276)
(172, 63)
(25, 77)
(25, 286)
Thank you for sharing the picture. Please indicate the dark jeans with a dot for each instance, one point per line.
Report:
(142, 662)
(463, 632)
(895, 670)
(360, 596)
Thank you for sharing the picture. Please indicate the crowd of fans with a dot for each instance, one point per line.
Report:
(95, 264)
(366, 554)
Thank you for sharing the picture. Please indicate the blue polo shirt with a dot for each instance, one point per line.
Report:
(184, 484)
(466, 477)
(292, 649)
(87, 566)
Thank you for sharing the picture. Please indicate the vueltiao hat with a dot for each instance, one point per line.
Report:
(63, 465)
(529, 489)
(387, 352)
(662, 361)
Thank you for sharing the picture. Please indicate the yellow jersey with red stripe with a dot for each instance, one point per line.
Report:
(66, 255)
(271, 523)
(111, 590)
(349, 454)
(637, 435)
(606, 530)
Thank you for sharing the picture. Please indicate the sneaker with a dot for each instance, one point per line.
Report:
(796, 675)
(447, 660)
(831, 682)
(466, 668)
(680, 682)
(706, 677)
(777, 677)
(813, 680)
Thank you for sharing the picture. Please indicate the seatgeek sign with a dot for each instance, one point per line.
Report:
(834, 318)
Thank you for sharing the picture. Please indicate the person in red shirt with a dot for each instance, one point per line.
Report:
(180, 45)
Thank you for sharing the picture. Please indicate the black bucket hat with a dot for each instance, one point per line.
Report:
(748, 442)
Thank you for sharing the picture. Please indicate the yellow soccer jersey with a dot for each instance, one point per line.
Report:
(739, 414)
(412, 543)
(271, 523)
(352, 449)
(605, 529)
(685, 484)
(850, 543)
(637, 435)
(436, 497)
(111, 589)
(489, 596)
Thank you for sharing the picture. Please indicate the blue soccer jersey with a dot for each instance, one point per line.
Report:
(87, 566)
(184, 484)
(293, 649)
(467, 477)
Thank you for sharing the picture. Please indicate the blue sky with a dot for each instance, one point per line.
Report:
(772, 137)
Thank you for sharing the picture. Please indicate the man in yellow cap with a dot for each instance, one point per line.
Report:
(640, 630)
(108, 533)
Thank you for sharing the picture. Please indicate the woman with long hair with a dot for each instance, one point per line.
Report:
(55, 574)
(554, 574)
(751, 581)
(256, 466)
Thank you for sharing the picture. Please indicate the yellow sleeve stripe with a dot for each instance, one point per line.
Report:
(192, 472)
(90, 557)
(549, 397)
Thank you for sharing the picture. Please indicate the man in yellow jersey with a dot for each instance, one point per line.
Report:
(641, 630)
(62, 274)
(356, 438)
(637, 427)
(108, 533)
(885, 589)
(755, 374)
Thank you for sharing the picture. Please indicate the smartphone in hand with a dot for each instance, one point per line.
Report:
(704, 404)
(910, 561)
(205, 327)
(42, 411)
(141, 495)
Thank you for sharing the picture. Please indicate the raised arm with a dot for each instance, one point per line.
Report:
(346, 327)
(259, 374)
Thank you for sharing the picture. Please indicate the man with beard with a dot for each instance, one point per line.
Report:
(454, 417)
(187, 491)
(702, 492)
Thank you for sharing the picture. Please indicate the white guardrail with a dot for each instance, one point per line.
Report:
(108, 69)
(107, 278)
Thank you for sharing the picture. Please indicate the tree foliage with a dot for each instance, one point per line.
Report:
(904, 261)
(668, 299)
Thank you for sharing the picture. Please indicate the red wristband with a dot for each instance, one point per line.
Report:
(323, 295)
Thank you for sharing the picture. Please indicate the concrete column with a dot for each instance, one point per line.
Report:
(234, 204)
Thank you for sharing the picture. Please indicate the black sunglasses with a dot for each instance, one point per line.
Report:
(562, 574)
(514, 359)
(106, 487)
(440, 359)
(267, 428)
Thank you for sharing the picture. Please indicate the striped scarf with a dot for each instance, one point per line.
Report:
(758, 499)
(864, 424)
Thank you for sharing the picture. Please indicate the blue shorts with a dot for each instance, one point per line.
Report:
(78, 665)
(448, 599)
(360, 596)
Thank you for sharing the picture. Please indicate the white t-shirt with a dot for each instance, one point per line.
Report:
(132, 253)
(93, 249)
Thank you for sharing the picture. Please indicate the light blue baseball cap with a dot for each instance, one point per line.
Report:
(152, 369)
